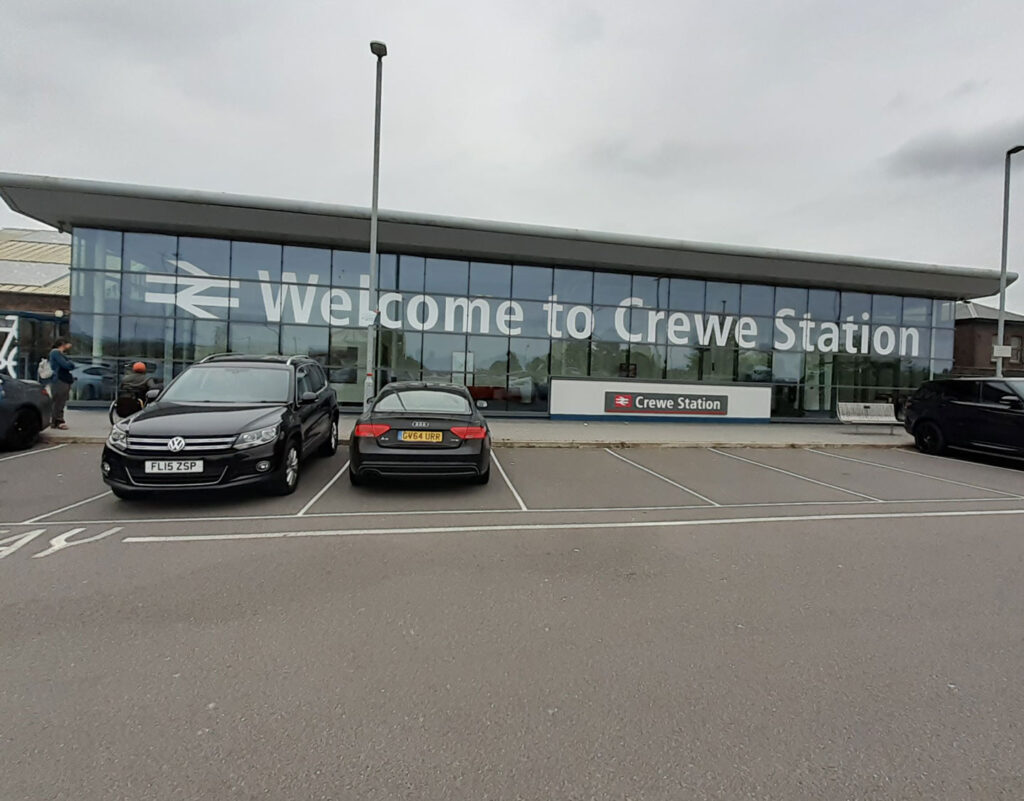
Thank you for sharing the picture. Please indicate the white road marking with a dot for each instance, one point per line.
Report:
(9, 545)
(663, 478)
(533, 511)
(795, 475)
(734, 521)
(37, 518)
(915, 473)
(61, 541)
(31, 453)
(1019, 471)
(508, 482)
(327, 486)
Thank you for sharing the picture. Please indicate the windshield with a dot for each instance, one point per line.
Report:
(1017, 385)
(229, 385)
(420, 401)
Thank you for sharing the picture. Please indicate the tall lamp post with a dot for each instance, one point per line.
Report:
(379, 49)
(999, 351)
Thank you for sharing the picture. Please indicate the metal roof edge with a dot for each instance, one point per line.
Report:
(204, 197)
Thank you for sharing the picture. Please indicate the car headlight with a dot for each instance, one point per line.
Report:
(118, 438)
(259, 436)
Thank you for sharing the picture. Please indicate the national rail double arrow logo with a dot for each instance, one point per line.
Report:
(624, 401)
(189, 288)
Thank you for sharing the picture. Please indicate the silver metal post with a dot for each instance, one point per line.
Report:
(379, 49)
(1001, 324)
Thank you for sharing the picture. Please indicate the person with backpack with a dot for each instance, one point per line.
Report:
(61, 380)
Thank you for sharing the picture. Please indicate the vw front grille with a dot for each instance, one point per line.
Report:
(192, 444)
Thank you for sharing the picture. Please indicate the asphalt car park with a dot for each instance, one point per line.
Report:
(800, 623)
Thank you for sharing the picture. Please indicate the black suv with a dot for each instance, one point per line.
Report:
(226, 421)
(985, 414)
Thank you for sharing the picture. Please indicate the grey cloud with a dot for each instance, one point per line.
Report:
(948, 153)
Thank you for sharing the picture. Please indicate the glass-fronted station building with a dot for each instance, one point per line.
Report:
(167, 277)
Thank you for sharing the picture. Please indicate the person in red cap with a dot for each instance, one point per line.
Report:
(136, 384)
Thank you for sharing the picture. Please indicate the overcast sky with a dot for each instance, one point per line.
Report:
(872, 128)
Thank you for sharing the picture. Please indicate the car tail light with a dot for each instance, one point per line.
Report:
(470, 432)
(371, 429)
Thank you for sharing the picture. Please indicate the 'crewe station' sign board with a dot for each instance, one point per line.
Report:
(584, 398)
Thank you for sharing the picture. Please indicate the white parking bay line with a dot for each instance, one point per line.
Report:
(327, 486)
(37, 518)
(915, 473)
(795, 475)
(508, 482)
(517, 527)
(663, 478)
(32, 453)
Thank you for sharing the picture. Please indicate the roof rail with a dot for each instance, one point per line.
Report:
(298, 356)
(216, 355)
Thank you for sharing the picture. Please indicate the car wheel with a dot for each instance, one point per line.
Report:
(330, 446)
(24, 429)
(928, 438)
(287, 478)
(355, 479)
(484, 477)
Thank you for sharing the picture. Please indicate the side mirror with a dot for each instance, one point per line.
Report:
(153, 394)
(481, 404)
(1012, 402)
(307, 397)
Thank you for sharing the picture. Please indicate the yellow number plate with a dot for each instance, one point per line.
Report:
(421, 436)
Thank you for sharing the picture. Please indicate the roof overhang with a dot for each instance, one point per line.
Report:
(65, 203)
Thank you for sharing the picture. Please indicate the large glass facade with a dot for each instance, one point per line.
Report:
(502, 329)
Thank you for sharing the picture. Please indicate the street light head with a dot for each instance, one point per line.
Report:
(379, 49)
(1013, 150)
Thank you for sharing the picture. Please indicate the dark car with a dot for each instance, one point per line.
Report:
(413, 430)
(984, 414)
(25, 409)
(227, 421)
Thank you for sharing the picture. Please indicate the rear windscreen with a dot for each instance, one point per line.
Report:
(423, 401)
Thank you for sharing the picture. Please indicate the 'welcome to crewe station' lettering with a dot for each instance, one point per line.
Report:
(643, 326)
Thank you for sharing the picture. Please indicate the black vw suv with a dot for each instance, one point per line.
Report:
(227, 421)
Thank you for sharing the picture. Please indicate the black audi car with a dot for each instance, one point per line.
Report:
(226, 421)
(415, 430)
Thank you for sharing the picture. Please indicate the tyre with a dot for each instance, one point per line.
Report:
(928, 438)
(484, 477)
(286, 480)
(355, 479)
(330, 446)
(24, 429)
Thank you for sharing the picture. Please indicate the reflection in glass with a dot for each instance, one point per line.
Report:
(411, 273)
(307, 263)
(720, 363)
(787, 367)
(535, 320)
(210, 256)
(93, 337)
(401, 355)
(252, 338)
(248, 299)
(529, 356)
(487, 356)
(347, 266)
(445, 358)
(855, 304)
(95, 293)
(647, 361)
(722, 298)
(150, 253)
(944, 314)
(140, 296)
(917, 311)
(609, 360)
(96, 250)
(787, 297)
(686, 294)
(147, 337)
(886, 309)
(570, 357)
(347, 361)
(942, 344)
(653, 291)
(754, 366)
(490, 280)
(611, 289)
(250, 259)
(387, 271)
(196, 339)
(823, 304)
(683, 363)
(305, 340)
(531, 282)
(447, 277)
(574, 286)
(756, 299)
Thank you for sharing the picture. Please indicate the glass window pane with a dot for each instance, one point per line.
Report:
(611, 288)
(387, 271)
(488, 280)
(757, 299)
(570, 357)
(647, 361)
(247, 299)
(535, 320)
(787, 367)
(604, 322)
(855, 304)
(348, 266)
(609, 360)
(346, 362)
(305, 340)
(148, 294)
(92, 249)
(721, 298)
(787, 297)
(95, 293)
(761, 339)
(93, 336)
(444, 358)
(754, 366)
(254, 339)
(944, 314)
(942, 344)
(823, 304)
(307, 264)
(529, 356)
(917, 311)
(210, 256)
(683, 363)
(574, 286)
(685, 294)
(251, 259)
(652, 290)
(886, 309)
(195, 339)
(486, 358)
(401, 355)
(531, 282)
(720, 363)
(447, 277)
(411, 273)
(150, 253)
(147, 337)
